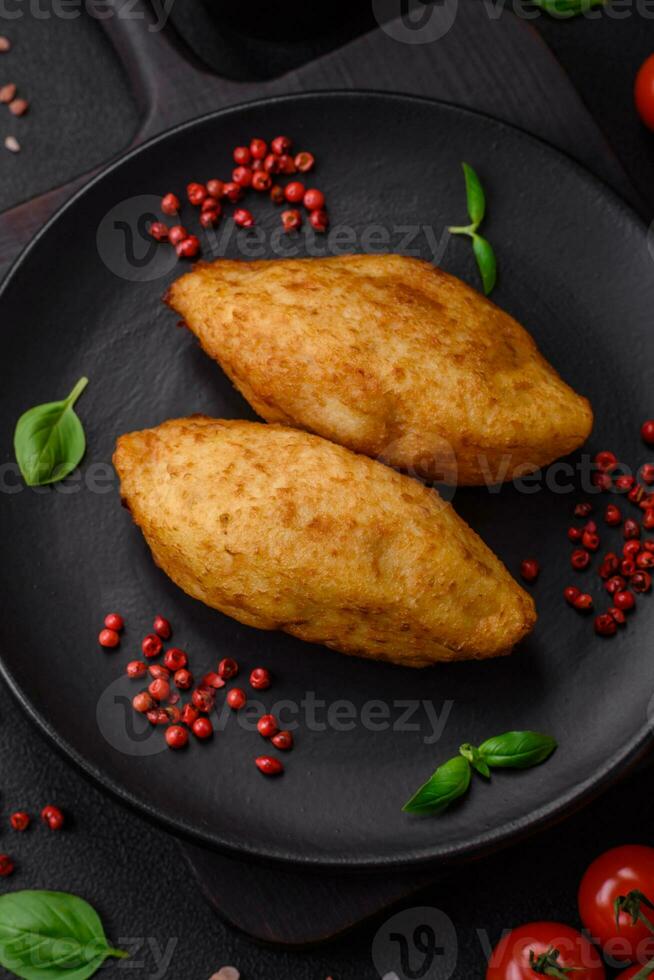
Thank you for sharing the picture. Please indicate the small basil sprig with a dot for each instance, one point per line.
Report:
(482, 248)
(50, 935)
(49, 440)
(513, 750)
(564, 9)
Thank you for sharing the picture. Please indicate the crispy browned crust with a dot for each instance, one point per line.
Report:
(281, 529)
(389, 356)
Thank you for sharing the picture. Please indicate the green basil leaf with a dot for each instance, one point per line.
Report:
(482, 768)
(564, 9)
(517, 750)
(49, 440)
(449, 782)
(47, 935)
(473, 756)
(475, 196)
(486, 262)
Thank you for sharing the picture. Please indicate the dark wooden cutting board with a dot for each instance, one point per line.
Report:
(489, 61)
(494, 64)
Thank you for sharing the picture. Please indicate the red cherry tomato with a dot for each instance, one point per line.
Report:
(631, 972)
(536, 945)
(623, 871)
(644, 92)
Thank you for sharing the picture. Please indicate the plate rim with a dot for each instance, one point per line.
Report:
(511, 831)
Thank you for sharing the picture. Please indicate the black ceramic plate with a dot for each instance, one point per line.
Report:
(85, 298)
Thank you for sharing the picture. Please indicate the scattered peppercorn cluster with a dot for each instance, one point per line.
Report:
(8, 96)
(256, 165)
(162, 705)
(51, 816)
(627, 574)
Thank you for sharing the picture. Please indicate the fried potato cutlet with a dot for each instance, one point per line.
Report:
(388, 356)
(283, 530)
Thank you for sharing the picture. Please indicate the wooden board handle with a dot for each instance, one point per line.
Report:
(520, 82)
(169, 87)
(168, 83)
